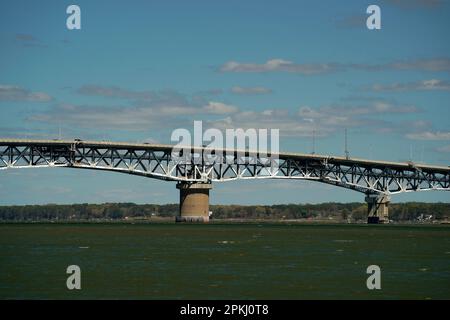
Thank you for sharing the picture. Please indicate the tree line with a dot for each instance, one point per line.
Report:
(124, 211)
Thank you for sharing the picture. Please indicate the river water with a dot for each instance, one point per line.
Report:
(224, 261)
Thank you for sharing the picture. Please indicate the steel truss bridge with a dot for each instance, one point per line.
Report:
(377, 179)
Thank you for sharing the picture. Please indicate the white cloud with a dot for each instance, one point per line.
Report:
(369, 108)
(169, 109)
(131, 117)
(281, 65)
(278, 65)
(424, 85)
(437, 64)
(219, 108)
(429, 135)
(16, 93)
(324, 121)
(250, 90)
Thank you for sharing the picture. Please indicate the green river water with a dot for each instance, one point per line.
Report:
(224, 261)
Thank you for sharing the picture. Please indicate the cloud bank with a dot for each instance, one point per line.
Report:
(281, 65)
(16, 93)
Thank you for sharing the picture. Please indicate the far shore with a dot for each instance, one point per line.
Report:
(171, 220)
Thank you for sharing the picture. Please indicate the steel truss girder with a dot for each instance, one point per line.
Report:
(160, 164)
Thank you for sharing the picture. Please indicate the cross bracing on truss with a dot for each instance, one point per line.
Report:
(207, 165)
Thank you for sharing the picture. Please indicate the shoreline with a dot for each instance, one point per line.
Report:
(171, 221)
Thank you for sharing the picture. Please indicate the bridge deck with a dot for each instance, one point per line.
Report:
(281, 155)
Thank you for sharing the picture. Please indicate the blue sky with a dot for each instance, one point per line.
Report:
(139, 69)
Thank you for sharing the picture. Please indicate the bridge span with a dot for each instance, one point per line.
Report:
(196, 169)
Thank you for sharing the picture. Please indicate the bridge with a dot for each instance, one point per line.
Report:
(194, 171)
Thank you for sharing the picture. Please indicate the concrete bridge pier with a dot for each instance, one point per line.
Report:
(378, 208)
(194, 202)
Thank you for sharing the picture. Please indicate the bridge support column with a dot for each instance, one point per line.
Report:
(194, 202)
(378, 208)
